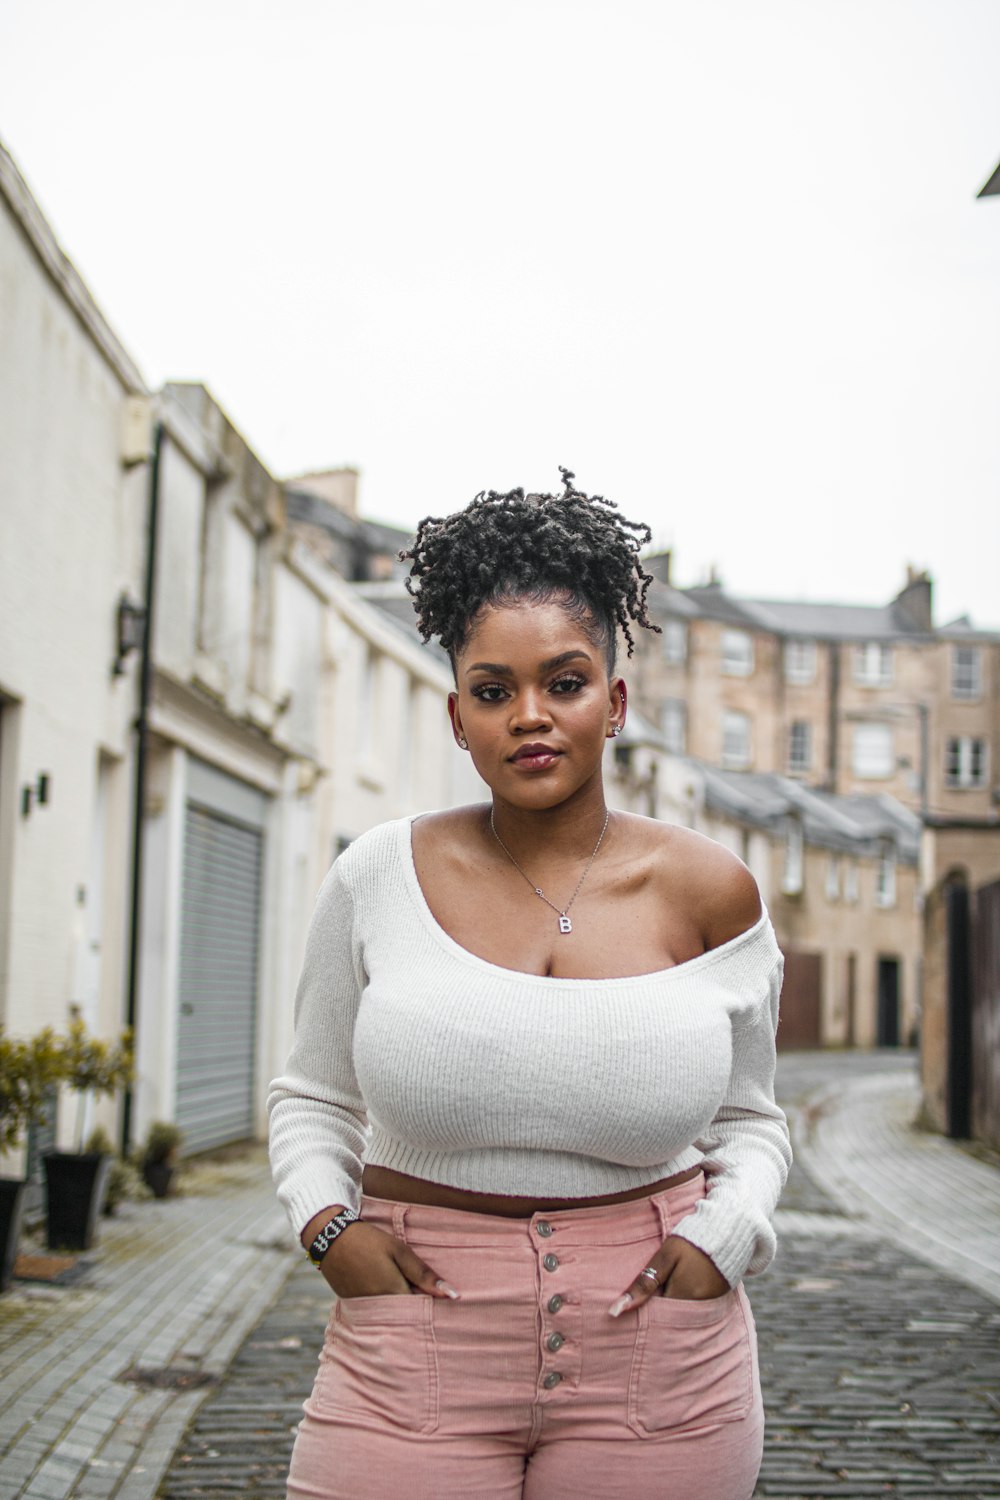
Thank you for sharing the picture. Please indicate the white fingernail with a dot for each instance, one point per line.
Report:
(617, 1308)
(449, 1291)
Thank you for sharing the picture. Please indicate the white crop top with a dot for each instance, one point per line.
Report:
(412, 1053)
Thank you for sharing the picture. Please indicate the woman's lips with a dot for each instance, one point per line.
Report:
(535, 758)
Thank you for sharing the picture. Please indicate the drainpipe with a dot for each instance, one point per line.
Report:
(141, 753)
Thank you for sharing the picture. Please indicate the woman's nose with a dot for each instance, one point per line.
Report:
(528, 711)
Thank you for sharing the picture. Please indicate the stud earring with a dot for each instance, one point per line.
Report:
(463, 743)
(617, 730)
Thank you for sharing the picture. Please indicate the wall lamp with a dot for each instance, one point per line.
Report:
(38, 793)
(131, 629)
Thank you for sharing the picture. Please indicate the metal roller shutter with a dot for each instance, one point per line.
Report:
(217, 1012)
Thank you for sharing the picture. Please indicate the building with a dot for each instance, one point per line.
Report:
(285, 713)
(851, 698)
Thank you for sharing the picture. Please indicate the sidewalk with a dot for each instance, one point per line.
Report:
(854, 1135)
(173, 1288)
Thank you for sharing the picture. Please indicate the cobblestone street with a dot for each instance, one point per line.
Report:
(881, 1374)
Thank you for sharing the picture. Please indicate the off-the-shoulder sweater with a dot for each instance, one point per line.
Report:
(410, 1052)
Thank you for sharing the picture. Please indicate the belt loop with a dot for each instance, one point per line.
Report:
(399, 1220)
(662, 1208)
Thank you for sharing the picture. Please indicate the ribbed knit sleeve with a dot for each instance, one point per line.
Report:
(747, 1149)
(318, 1122)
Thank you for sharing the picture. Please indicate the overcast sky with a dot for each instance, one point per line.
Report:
(723, 258)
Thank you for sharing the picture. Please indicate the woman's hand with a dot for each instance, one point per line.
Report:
(366, 1262)
(682, 1271)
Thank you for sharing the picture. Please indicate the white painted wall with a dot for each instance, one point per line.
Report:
(72, 518)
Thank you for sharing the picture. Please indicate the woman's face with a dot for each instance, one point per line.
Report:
(534, 702)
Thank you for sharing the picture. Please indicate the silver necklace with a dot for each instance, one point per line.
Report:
(565, 925)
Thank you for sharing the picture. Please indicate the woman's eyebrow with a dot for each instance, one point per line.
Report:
(546, 666)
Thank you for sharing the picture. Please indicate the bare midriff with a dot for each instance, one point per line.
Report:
(383, 1182)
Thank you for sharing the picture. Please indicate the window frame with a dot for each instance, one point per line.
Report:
(969, 749)
(864, 654)
(741, 665)
(974, 689)
(744, 761)
(803, 766)
(859, 730)
(797, 672)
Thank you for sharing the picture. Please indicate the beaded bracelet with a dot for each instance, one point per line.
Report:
(329, 1233)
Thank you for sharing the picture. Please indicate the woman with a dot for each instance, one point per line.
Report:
(535, 1048)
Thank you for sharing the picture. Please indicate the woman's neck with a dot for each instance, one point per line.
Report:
(569, 830)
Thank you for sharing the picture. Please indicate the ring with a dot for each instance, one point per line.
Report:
(652, 1273)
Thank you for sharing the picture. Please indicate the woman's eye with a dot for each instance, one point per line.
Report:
(489, 692)
(568, 685)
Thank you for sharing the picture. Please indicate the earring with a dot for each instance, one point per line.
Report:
(463, 743)
(617, 730)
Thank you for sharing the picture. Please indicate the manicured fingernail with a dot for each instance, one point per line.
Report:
(449, 1291)
(617, 1308)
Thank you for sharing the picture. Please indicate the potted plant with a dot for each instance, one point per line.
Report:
(123, 1179)
(159, 1156)
(76, 1180)
(28, 1069)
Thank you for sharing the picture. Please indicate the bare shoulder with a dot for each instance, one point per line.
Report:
(716, 883)
(449, 832)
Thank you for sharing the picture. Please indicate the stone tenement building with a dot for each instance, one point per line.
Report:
(849, 698)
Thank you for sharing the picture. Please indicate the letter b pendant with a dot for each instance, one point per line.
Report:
(565, 925)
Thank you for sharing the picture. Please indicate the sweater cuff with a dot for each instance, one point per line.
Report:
(738, 1243)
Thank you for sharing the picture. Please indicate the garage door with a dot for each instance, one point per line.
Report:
(216, 1026)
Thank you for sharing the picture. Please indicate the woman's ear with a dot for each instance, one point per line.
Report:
(456, 721)
(617, 705)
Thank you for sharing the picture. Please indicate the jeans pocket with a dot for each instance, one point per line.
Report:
(692, 1365)
(379, 1363)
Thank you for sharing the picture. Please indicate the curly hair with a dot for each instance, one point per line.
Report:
(569, 547)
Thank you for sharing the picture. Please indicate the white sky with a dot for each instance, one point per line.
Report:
(721, 257)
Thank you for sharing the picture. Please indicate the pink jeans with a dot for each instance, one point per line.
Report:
(526, 1389)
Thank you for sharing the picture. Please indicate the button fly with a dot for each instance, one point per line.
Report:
(555, 1303)
(554, 1342)
(550, 1262)
(552, 1380)
(544, 1228)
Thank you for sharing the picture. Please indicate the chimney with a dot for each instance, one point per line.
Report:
(914, 604)
(658, 563)
(338, 487)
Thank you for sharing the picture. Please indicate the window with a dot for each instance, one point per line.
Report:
(791, 875)
(674, 641)
(965, 762)
(966, 677)
(800, 746)
(833, 878)
(885, 877)
(873, 664)
(851, 882)
(674, 721)
(871, 751)
(800, 661)
(737, 653)
(735, 740)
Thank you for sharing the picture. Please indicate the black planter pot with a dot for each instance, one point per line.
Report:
(158, 1175)
(12, 1190)
(75, 1183)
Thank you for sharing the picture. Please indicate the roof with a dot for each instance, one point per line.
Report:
(391, 597)
(798, 617)
(857, 823)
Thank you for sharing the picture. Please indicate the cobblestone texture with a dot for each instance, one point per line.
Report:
(881, 1374)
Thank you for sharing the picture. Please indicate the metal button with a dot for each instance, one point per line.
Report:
(554, 1341)
(550, 1262)
(555, 1303)
(551, 1380)
(544, 1228)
